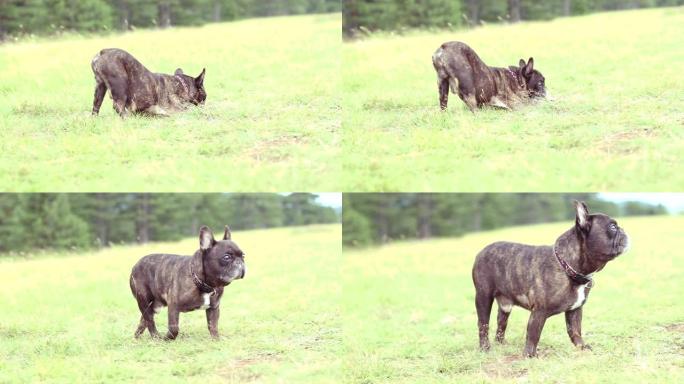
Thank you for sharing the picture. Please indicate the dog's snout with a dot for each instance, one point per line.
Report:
(244, 270)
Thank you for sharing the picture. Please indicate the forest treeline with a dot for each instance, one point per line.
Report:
(67, 221)
(361, 16)
(54, 16)
(370, 218)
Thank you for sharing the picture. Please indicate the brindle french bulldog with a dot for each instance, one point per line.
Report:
(135, 89)
(478, 85)
(186, 283)
(545, 280)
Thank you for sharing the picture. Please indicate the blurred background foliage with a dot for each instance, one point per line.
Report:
(363, 16)
(65, 221)
(53, 16)
(374, 218)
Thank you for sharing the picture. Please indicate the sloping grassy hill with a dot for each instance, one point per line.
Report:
(270, 123)
(615, 121)
(409, 314)
(71, 318)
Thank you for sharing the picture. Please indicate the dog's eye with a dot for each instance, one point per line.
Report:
(226, 256)
(613, 227)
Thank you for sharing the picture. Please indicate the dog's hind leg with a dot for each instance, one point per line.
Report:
(443, 85)
(117, 88)
(100, 90)
(151, 326)
(483, 304)
(141, 327)
(502, 323)
(173, 323)
(147, 319)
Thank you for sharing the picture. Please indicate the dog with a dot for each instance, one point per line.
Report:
(186, 283)
(134, 89)
(459, 67)
(545, 280)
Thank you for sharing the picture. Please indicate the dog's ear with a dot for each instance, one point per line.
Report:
(199, 80)
(178, 72)
(528, 67)
(206, 238)
(521, 64)
(226, 233)
(582, 216)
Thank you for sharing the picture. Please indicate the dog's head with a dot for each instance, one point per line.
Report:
(223, 260)
(603, 239)
(534, 80)
(194, 86)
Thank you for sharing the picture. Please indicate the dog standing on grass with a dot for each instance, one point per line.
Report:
(546, 280)
(186, 283)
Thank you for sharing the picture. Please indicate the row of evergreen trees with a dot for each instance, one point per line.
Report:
(370, 218)
(365, 15)
(65, 221)
(51, 16)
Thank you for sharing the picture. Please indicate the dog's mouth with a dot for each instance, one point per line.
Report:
(234, 275)
(620, 244)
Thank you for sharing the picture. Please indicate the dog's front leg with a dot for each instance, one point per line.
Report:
(173, 322)
(573, 321)
(534, 328)
(212, 321)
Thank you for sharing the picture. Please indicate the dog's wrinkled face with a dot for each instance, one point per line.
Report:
(224, 261)
(603, 238)
(195, 86)
(533, 78)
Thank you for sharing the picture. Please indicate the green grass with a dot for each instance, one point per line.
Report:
(271, 121)
(409, 314)
(616, 121)
(70, 318)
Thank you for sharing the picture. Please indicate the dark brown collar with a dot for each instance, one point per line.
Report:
(201, 285)
(575, 276)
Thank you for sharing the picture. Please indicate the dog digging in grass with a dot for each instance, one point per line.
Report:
(186, 283)
(134, 89)
(545, 280)
(461, 69)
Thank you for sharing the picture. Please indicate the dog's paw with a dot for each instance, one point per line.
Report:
(586, 347)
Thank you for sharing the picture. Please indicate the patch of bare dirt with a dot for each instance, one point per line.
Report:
(675, 327)
(504, 367)
(238, 369)
(624, 142)
(273, 150)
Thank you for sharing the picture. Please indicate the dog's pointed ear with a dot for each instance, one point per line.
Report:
(178, 72)
(226, 233)
(529, 67)
(521, 64)
(582, 216)
(206, 238)
(199, 80)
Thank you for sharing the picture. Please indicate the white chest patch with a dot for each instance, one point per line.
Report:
(205, 299)
(580, 296)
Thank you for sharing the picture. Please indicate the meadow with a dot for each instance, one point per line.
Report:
(409, 314)
(613, 120)
(271, 121)
(70, 318)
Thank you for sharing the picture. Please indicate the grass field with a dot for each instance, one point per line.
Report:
(409, 314)
(615, 122)
(71, 318)
(271, 121)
